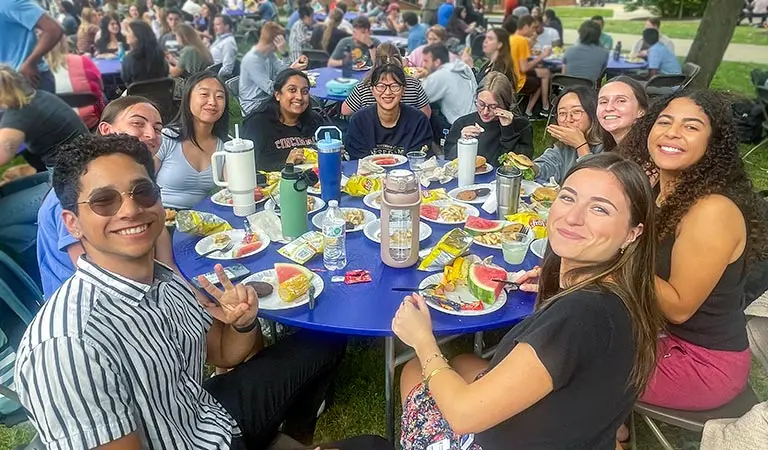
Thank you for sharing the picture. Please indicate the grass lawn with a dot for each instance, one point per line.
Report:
(676, 29)
(359, 402)
(566, 12)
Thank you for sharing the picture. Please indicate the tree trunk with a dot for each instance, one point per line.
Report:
(712, 38)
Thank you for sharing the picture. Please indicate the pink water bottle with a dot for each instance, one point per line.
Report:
(400, 203)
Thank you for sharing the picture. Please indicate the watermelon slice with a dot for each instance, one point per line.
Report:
(286, 271)
(430, 212)
(247, 248)
(384, 161)
(480, 284)
(478, 225)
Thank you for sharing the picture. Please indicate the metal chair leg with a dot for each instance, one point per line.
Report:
(632, 432)
(657, 433)
(478, 345)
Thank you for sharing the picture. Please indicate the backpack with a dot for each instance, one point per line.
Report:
(748, 119)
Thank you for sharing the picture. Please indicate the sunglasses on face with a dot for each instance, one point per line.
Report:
(107, 202)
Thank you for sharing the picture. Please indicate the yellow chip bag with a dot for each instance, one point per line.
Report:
(310, 155)
(434, 195)
(200, 223)
(452, 245)
(360, 186)
(531, 219)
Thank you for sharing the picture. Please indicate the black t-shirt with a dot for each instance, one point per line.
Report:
(495, 140)
(47, 122)
(273, 141)
(135, 67)
(585, 342)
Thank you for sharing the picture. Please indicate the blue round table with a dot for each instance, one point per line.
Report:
(364, 309)
(108, 67)
(349, 16)
(326, 74)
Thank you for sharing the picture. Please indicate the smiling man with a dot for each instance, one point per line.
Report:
(115, 358)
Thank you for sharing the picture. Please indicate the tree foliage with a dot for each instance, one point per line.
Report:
(670, 8)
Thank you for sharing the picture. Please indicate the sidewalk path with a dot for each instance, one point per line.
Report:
(735, 52)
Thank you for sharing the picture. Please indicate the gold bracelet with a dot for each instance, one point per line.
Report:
(432, 358)
(433, 373)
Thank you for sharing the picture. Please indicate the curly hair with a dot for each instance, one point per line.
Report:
(73, 159)
(719, 171)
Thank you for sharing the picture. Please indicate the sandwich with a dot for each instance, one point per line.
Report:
(544, 196)
(522, 162)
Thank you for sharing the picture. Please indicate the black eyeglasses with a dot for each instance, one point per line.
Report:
(107, 202)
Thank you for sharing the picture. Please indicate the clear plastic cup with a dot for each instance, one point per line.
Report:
(514, 247)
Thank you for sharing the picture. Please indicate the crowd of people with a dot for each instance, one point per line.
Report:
(635, 299)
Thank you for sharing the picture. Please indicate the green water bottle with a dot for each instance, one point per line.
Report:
(293, 202)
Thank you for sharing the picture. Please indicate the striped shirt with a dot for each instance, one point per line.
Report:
(107, 356)
(361, 96)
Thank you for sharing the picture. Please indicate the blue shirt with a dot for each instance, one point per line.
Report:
(293, 18)
(268, 11)
(417, 36)
(17, 31)
(662, 59)
(52, 242)
(444, 14)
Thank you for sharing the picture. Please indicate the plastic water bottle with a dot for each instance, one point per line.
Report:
(334, 237)
(120, 51)
(617, 52)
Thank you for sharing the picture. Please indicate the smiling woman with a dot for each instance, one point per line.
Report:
(288, 124)
(184, 159)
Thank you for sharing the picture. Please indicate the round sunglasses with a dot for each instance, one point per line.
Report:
(107, 202)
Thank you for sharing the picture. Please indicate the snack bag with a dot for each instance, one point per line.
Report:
(303, 248)
(452, 245)
(199, 223)
(434, 195)
(531, 219)
(310, 156)
(360, 186)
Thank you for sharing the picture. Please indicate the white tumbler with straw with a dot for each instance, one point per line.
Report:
(467, 152)
(241, 173)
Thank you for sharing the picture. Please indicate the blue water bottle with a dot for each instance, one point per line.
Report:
(329, 161)
(120, 51)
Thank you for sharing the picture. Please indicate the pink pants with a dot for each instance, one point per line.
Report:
(693, 378)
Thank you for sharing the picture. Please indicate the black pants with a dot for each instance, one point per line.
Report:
(286, 382)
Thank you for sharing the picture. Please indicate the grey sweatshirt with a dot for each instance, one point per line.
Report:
(257, 71)
(556, 161)
(453, 85)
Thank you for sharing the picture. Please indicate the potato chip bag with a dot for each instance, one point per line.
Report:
(199, 223)
(531, 219)
(360, 186)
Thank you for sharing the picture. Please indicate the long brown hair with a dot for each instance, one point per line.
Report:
(630, 274)
(386, 53)
(503, 62)
(334, 20)
(188, 36)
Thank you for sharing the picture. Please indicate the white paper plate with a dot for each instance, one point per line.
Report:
(218, 198)
(237, 236)
(319, 204)
(399, 159)
(370, 200)
(497, 247)
(458, 294)
(527, 187)
(471, 211)
(273, 300)
(373, 231)
(453, 193)
(316, 190)
(482, 171)
(368, 217)
(538, 247)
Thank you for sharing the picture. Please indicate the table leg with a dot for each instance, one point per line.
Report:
(389, 380)
(273, 331)
(478, 345)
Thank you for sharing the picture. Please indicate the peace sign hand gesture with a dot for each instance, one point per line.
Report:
(235, 305)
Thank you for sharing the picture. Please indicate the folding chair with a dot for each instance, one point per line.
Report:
(214, 68)
(477, 46)
(383, 32)
(659, 85)
(79, 100)
(316, 58)
(560, 82)
(160, 91)
(690, 70)
(762, 99)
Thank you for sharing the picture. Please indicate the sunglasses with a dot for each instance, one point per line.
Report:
(107, 202)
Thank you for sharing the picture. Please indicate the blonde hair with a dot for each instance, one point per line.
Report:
(15, 92)
(188, 36)
(57, 57)
(439, 31)
(162, 13)
(87, 16)
(499, 85)
(333, 22)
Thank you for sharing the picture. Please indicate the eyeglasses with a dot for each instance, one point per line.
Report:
(394, 88)
(481, 105)
(574, 114)
(107, 202)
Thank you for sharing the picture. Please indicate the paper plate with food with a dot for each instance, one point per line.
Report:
(315, 190)
(231, 244)
(481, 165)
(474, 193)
(399, 238)
(527, 187)
(373, 200)
(386, 160)
(170, 217)
(314, 204)
(224, 197)
(356, 219)
(361, 66)
(448, 212)
(286, 286)
(467, 287)
(489, 233)
(542, 199)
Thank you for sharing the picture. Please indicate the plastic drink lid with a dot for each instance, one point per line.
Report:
(333, 203)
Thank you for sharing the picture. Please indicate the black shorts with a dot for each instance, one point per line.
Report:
(532, 83)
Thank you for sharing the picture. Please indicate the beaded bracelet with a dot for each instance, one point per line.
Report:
(431, 358)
